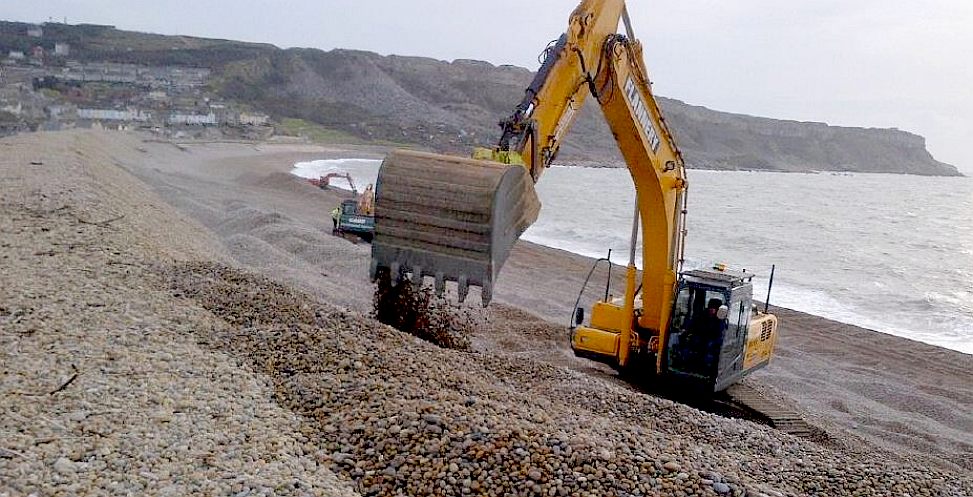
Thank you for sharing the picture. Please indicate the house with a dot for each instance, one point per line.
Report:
(16, 55)
(193, 119)
(114, 115)
(254, 119)
(62, 49)
(35, 31)
(15, 109)
(61, 111)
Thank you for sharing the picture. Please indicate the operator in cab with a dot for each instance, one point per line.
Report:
(711, 336)
(709, 323)
(703, 336)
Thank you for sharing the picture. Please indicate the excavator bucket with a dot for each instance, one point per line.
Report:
(449, 218)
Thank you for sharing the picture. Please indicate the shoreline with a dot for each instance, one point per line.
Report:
(879, 398)
(834, 172)
(382, 149)
(820, 301)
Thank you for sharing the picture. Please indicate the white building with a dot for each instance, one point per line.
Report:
(35, 31)
(62, 49)
(58, 111)
(113, 115)
(16, 55)
(254, 119)
(193, 119)
(15, 109)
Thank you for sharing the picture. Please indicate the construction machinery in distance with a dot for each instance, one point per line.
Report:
(323, 182)
(356, 217)
(456, 219)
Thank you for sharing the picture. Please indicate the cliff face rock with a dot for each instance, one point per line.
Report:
(448, 106)
(452, 106)
(720, 140)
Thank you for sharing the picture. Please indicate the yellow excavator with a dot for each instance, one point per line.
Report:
(456, 219)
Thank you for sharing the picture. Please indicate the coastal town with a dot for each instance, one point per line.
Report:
(42, 87)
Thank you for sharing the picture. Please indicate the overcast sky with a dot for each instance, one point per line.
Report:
(883, 63)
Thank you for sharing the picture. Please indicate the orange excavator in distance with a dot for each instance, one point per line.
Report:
(455, 219)
(323, 182)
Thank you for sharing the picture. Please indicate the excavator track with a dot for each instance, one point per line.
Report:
(759, 407)
(739, 401)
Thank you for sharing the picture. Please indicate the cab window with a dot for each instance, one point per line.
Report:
(683, 304)
(692, 302)
(738, 314)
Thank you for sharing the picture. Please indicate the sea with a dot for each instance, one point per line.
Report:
(892, 253)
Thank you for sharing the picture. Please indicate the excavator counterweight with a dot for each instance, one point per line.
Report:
(449, 218)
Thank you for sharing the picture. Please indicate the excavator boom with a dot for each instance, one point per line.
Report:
(456, 219)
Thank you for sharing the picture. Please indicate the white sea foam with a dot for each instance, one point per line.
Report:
(867, 250)
(362, 171)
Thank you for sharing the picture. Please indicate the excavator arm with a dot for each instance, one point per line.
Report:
(592, 59)
(658, 172)
(455, 219)
(562, 84)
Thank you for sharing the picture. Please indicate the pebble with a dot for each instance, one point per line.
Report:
(77, 416)
(451, 446)
(254, 369)
(65, 466)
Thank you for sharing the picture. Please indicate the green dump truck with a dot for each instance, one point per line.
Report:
(353, 222)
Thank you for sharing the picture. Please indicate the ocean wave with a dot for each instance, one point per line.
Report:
(362, 171)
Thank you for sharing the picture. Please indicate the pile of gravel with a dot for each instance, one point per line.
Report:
(416, 310)
(125, 372)
(106, 391)
(104, 388)
(401, 416)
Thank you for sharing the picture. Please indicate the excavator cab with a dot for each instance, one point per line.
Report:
(711, 319)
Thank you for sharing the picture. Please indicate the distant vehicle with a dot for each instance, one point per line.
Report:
(353, 222)
(324, 182)
(357, 217)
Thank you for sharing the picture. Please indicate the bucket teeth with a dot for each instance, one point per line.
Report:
(450, 218)
(440, 284)
(373, 270)
(462, 287)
